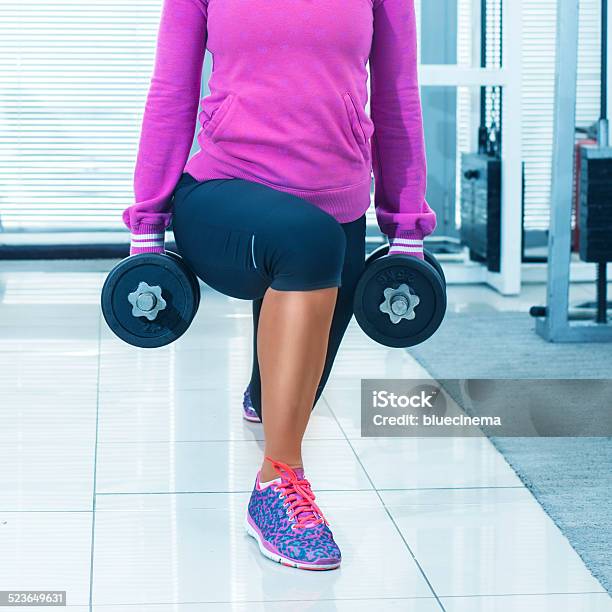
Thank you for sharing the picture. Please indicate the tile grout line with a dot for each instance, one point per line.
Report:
(506, 595)
(240, 491)
(350, 599)
(401, 535)
(95, 467)
(235, 602)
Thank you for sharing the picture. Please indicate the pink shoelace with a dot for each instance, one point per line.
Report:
(300, 498)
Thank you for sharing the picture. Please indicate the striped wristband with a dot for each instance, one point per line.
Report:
(406, 246)
(148, 239)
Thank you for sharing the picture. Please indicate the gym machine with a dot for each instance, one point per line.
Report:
(555, 322)
(149, 300)
(481, 172)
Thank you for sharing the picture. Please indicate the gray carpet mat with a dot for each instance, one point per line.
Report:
(570, 477)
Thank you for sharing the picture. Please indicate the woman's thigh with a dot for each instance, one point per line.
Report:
(213, 239)
(241, 237)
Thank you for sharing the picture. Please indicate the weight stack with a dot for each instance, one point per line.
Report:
(481, 208)
(595, 211)
(576, 203)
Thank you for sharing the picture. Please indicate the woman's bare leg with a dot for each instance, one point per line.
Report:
(292, 339)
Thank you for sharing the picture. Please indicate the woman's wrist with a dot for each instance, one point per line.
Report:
(406, 242)
(147, 239)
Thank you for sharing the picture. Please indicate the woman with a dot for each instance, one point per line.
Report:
(272, 206)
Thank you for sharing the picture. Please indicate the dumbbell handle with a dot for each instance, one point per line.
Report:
(146, 301)
(399, 305)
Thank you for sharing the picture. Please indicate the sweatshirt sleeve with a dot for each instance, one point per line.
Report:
(168, 123)
(398, 145)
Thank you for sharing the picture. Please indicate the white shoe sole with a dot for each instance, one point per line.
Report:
(250, 419)
(279, 558)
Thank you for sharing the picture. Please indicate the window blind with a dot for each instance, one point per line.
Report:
(539, 39)
(73, 83)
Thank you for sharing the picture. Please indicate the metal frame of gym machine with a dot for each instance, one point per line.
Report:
(556, 325)
(509, 77)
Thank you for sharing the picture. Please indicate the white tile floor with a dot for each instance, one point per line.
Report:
(124, 476)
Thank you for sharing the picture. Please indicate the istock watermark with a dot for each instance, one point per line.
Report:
(477, 407)
(422, 399)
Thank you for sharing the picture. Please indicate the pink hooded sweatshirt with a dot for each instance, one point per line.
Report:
(287, 109)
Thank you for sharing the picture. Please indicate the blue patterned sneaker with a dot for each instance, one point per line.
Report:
(248, 412)
(288, 525)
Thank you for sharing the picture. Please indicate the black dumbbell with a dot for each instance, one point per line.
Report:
(400, 300)
(149, 300)
(192, 277)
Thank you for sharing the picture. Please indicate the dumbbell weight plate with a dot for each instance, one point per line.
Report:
(177, 290)
(190, 273)
(430, 258)
(392, 272)
(377, 253)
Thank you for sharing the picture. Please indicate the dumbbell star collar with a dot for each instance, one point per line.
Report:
(146, 301)
(399, 303)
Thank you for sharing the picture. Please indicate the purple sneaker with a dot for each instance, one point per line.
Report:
(248, 412)
(288, 525)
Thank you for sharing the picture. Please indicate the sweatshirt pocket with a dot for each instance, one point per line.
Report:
(361, 125)
(212, 126)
